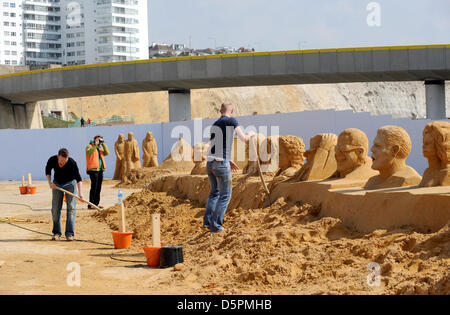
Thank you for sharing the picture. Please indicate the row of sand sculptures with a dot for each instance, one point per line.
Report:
(329, 157)
(347, 157)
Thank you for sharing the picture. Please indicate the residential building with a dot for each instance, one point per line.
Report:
(42, 32)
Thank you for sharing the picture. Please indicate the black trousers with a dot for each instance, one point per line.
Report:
(96, 186)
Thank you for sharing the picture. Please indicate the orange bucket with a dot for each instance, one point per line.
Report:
(31, 190)
(23, 190)
(122, 240)
(153, 255)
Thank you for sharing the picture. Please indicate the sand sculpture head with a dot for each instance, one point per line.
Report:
(326, 141)
(200, 156)
(290, 151)
(130, 136)
(436, 148)
(200, 152)
(149, 136)
(121, 138)
(351, 151)
(320, 160)
(436, 141)
(391, 147)
(390, 150)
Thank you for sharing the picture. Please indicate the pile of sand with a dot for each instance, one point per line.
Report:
(179, 161)
(141, 177)
(287, 249)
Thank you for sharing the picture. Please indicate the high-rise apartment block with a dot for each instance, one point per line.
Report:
(40, 32)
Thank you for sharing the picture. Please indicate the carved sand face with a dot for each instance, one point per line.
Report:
(382, 155)
(149, 136)
(347, 155)
(121, 138)
(428, 147)
(130, 136)
(445, 152)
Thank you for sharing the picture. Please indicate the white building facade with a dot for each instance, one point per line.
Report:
(71, 32)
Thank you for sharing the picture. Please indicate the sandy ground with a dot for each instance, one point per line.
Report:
(286, 248)
(33, 264)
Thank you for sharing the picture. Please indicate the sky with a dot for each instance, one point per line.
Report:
(270, 25)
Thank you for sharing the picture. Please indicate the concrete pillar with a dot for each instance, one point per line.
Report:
(179, 105)
(435, 98)
(7, 120)
(34, 117)
(20, 116)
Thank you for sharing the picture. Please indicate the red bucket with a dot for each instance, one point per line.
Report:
(122, 240)
(153, 255)
(31, 190)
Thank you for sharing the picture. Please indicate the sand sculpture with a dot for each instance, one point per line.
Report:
(351, 155)
(131, 156)
(436, 148)
(289, 154)
(119, 148)
(150, 149)
(252, 153)
(200, 158)
(390, 149)
(180, 158)
(320, 159)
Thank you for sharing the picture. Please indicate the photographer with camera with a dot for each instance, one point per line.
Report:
(95, 165)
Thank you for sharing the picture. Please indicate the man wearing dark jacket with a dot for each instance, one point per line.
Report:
(66, 176)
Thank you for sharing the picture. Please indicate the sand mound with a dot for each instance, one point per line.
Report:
(286, 249)
(141, 177)
(180, 158)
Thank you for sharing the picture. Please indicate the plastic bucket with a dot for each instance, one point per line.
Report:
(170, 256)
(23, 190)
(31, 190)
(153, 255)
(122, 240)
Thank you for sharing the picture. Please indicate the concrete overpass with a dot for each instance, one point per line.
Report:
(430, 64)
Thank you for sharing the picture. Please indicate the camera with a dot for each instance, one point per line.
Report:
(101, 141)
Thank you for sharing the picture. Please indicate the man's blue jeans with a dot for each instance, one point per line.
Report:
(219, 173)
(57, 203)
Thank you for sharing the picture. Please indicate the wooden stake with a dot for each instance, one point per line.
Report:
(29, 180)
(23, 181)
(156, 230)
(122, 221)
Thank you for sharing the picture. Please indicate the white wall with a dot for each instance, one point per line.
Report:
(25, 151)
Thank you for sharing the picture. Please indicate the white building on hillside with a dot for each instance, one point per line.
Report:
(41, 32)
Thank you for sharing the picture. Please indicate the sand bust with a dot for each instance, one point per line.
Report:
(391, 147)
(436, 149)
(320, 158)
(290, 154)
(351, 155)
(200, 158)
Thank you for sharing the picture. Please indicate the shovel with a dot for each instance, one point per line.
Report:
(75, 196)
(253, 147)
